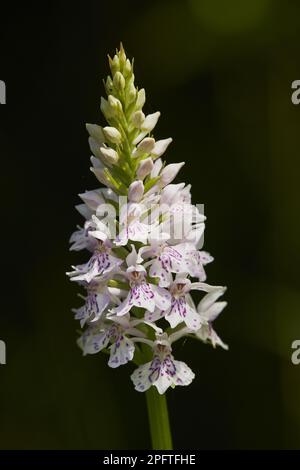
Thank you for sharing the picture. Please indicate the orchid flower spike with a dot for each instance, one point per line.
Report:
(143, 238)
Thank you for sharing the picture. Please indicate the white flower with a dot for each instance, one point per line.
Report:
(142, 294)
(183, 222)
(81, 239)
(102, 263)
(195, 260)
(97, 300)
(208, 310)
(182, 308)
(131, 227)
(99, 336)
(167, 259)
(162, 372)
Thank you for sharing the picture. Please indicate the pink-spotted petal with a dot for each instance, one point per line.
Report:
(121, 352)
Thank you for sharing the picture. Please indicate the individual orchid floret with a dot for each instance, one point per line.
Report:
(81, 239)
(102, 263)
(131, 226)
(142, 294)
(97, 299)
(118, 333)
(196, 260)
(165, 260)
(163, 371)
(182, 308)
(209, 309)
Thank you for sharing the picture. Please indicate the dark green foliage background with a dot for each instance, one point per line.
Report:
(220, 73)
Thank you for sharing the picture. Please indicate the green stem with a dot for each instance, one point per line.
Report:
(158, 420)
(157, 411)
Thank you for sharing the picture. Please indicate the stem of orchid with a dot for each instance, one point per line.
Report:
(158, 420)
(158, 415)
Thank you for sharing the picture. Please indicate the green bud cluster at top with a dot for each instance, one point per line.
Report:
(126, 127)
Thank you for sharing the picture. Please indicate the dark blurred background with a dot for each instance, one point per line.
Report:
(220, 73)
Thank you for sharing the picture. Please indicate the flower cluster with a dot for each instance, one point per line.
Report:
(143, 235)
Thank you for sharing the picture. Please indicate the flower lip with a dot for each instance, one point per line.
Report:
(180, 287)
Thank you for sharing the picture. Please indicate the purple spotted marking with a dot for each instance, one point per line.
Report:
(99, 260)
(160, 367)
(179, 305)
(91, 305)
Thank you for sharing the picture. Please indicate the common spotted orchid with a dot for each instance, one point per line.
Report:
(143, 237)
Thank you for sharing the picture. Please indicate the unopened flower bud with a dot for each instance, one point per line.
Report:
(122, 55)
(112, 135)
(96, 162)
(169, 173)
(101, 176)
(145, 168)
(92, 199)
(115, 104)
(119, 81)
(114, 64)
(141, 98)
(131, 94)
(127, 68)
(161, 146)
(145, 146)
(109, 85)
(148, 125)
(150, 121)
(136, 191)
(109, 155)
(95, 132)
(106, 109)
(95, 147)
(157, 168)
(137, 119)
